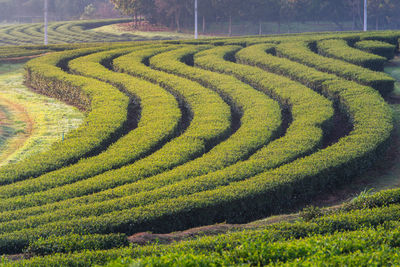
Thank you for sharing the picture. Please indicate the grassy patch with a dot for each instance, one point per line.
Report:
(35, 121)
(393, 69)
(153, 35)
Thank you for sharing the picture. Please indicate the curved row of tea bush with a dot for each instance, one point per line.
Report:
(319, 229)
(307, 119)
(339, 49)
(99, 127)
(138, 213)
(300, 52)
(210, 125)
(370, 115)
(187, 206)
(61, 32)
(307, 124)
(333, 238)
(377, 47)
(159, 118)
(189, 180)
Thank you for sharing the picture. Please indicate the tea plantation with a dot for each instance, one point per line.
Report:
(180, 134)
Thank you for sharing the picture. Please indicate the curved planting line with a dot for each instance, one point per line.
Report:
(339, 49)
(8, 39)
(60, 31)
(101, 125)
(260, 121)
(260, 117)
(261, 194)
(159, 118)
(17, 32)
(365, 223)
(300, 52)
(45, 118)
(182, 188)
(37, 30)
(182, 205)
(79, 31)
(210, 123)
(31, 31)
(377, 47)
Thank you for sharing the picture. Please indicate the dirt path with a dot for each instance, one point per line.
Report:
(36, 121)
(18, 140)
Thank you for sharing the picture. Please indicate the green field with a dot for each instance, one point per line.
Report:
(35, 122)
(186, 133)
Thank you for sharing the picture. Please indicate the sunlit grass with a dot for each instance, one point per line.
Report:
(48, 118)
(153, 35)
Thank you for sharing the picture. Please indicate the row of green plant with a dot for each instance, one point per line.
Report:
(339, 49)
(10, 53)
(98, 129)
(321, 225)
(60, 32)
(304, 120)
(300, 52)
(159, 118)
(380, 48)
(74, 242)
(370, 116)
(307, 119)
(220, 194)
(357, 237)
(210, 124)
(205, 183)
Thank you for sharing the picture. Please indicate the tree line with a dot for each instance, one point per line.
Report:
(179, 13)
(17, 10)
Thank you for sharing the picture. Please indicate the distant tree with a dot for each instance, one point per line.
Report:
(260, 11)
(382, 10)
(136, 8)
(206, 12)
(230, 9)
(174, 10)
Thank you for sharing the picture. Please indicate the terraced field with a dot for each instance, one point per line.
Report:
(70, 32)
(181, 134)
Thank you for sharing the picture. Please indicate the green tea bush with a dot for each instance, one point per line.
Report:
(377, 47)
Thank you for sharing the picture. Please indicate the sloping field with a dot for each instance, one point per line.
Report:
(83, 31)
(179, 134)
(32, 122)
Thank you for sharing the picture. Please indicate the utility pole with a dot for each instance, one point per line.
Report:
(196, 33)
(46, 10)
(365, 15)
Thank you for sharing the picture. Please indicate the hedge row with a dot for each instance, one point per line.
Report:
(371, 117)
(98, 129)
(200, 184)
(61, 32)
(281, 242)
(377, 47)
(260, 120)
(71, 243)
(159, 120)
(316, 250)
(339, 49)
(302, 137)
(300, 52)
(208, 199)
(209, 125)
